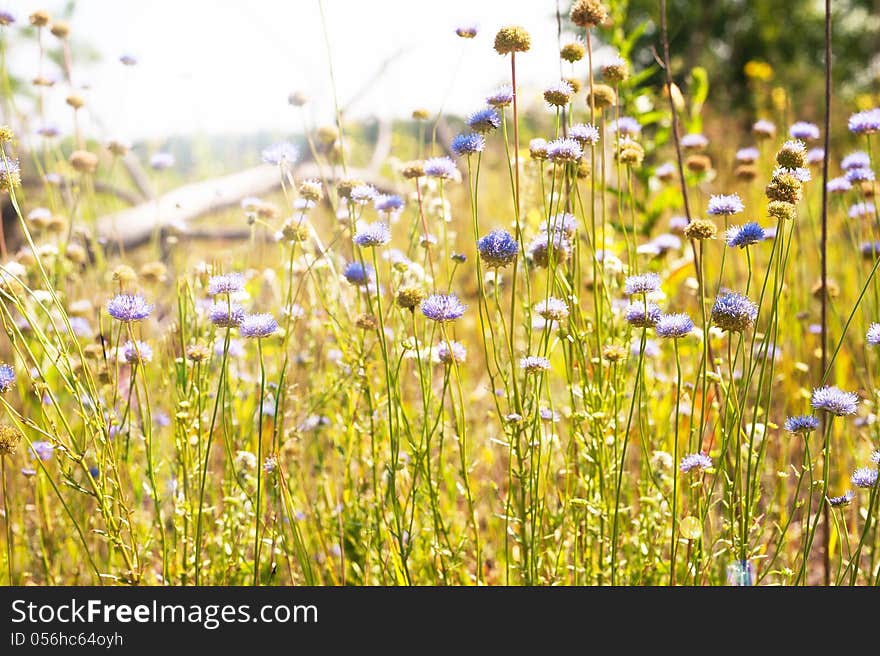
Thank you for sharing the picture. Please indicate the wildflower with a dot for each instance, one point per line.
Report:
(616, 70)
(800, 174)
(859, 175)
(815, 156)
(626, 125)
(6, 17)
(501, 97)
(839, 185)
(42, 450)
(700, 229)
(602, 96)
(563, 223)
(695, 461)
(498, 248)
(358, 274)
(388, 203)
(538, 149)
(698, 163)
(564, 150)
(270, 464)
(137, 352)
(613, 352)
(468, 144)
(572, 52)
(746, 235)
(280, 153)
(865, 122)
(443, 308)
(644, 283)
(467, 31)
(542, 245)
(552, 309)
(410, 296)
(372, 235)
(9, 439)
(483, 120)
(674, 326)
(747, 155)
(843, 500)
(48, 131)
(802, 424)
(726, 205)
(257, 325)
(7, 378)
(362, 194)
(588, 13)
(413, 170)
(873, 336)
(870, 250)
(864, 477)
(784, 187)
(197, 352)
(875, 457)
(226, 315)
(804, 131)
(763, 129)
(10, 173)
(585, 134)
(782, 210)
(161, 161)
(666, 242)
(665, 171)
(512, 39)
(630, 152)
(639, 315)
(440, 167)
(856, 160)
(128, 308)
(792, 155)
(534, 364)
(449, 352)
(227, 283)
(861, 210)
(835, 401)
(128, 60)
(734, 312)
(558, 95)
(694, 141)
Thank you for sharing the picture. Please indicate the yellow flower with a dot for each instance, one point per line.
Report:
(758, 70)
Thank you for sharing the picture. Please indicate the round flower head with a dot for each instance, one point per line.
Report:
(843, 500)
(864, 477)
(227, 283)
(563, 223)
(6, 17)
(512, 39)
(442, 308)
(451, 352)
(468, 144)
(7, 378)
(861, 210)
(674, 326)
(866, 122)
(800, 174)
(502, 97)
(226, 315)
(161, 161)
(534, 364)
(870, 249)
(564, 150)
(839, 185)
(42, 450)
(48, 131)
(804, 131)
(835, 401)
(128, 308)
(484, 120)
(543, 245)
(694, 141)
(538, 149)
(725, 204)
(746, 235)
(572, 52)
(10, 173)
(627, 125)
(616, 70)
(362, 194)
(859, 175)
(137, 352)
(875, 457)
(558, 95)
(665, 171)
(584, 133)
(802, 424)
(358, 274)
(792, 155)
(588, 13)
(695, 462)
(388, 203)
(440, 167)
(815, 156)
(258, 326)
(856, 160)
(498, 249)
(763, 128)
(552, 309)
(644, 283)
(9, 440)
(734, 312)
(372, 235)
(784, 186)
(873, 336)
(281, 153)
(747, 155)
(639, 316)
(467, 31)
(666, 242)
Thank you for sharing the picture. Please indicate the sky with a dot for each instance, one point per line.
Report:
(227, 67)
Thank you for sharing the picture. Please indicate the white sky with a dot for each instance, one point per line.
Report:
(227, 66)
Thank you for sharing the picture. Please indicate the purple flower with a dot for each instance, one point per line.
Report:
(137, 352)
(584, 133)
(451, 352)
(372, 235)
(839, 185)
(440, 167)
(626, 125)
(866, 122)
(644, 283)
(562, 223)
(764, 128)
(443, 307)
(856, 160)
(534, 364)
(498, 248)
(802, 424)
(502, 97)
(804, 131)
(227, 283)
(695, 461)
(128, 308)
(363, 194)
(388, 203)
(694, 140)
(258, 326)
(873, 336)
(747, 155)
(358, 274)
(674, 326)
(284, 152)
(725, 204)
(161, 161)
(859, 175)
(864, 477)
(734, 312)
(42, 450)
(640, 316)
(467, 30)
(483, 120)
(835, 401)
(226, 315)
(468, 144)
(843, 500)
(861, 210)
(564, 150)
(7, 378)
(815, 156)
(746, 235)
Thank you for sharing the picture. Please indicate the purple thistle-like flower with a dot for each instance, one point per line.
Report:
(865, 122)
(746, 235)
(443, 308)
(363, 194)
(552, 309)
(226, 315)
(6, 17)
(861, 210)
(137, 352)
(498, 248)
(358, 274)
(7, 378)
(695, 461)
(764, 128)
(875, 457)
(694, 140)
(644, 283)
(10, 173)
(127, 59)
(815, 156)
(835, 401)
(388, 203)
(747, 155)
(483, 120)
(873, 336)
(227, 283)
(856, 160)
(283, 152)
(451, 352)
(42, 450)
(562, 223)
(843, 500)
(839, 185)
(129, 307)
(864, 477)
(558, 93)
(584, 133)
(468, 144)
(801, 174)
(467, 30)
(674, 326)
(543, 245)
(801, 424)
(501, 97)
(564, 150)
(665, 170)
(534, 364)
(372, 235)
(639, 316)
(48, 131)
(725, 204)
(666, 242)
(734, 312)
(440, 167)
(804, 131)
(257, 326)
(859, 175)
(626, 125)
(161, 161)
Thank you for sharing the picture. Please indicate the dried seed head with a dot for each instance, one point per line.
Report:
(700, 229)
(118, 148)
(9, 439)
(746, 172)
(583, 168)
(40, 18)
(572, 52)
(421, 114)
(779, 209)
(327, 134)
(154, 272)
(60, 29)
(84, 161)
(76, 253)
(6, 134)
(311, 190)
(197, 352)
(574, 83)
(410, 296)
(630, 152)
(413, 170)
(698, 163)
(603, 96)
(588, 13)
(295, 230)
(366, 322)
(41, 81)
(792, 155)
(833, 289)
(784, 187)
(613, 352)
(616, 71)
(512, 39)
(75, 100)
(344, 187)
(124, 275)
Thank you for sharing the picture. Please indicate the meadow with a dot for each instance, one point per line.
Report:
(595, 335)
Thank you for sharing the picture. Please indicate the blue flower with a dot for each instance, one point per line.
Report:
(227, 283)
(694, 141)
(644, 283)
(861, 210)
(372, 235)
(835, 401)
(564, 150)
(363, 194)
(747, 155)
(815, 155)
(803, 130)
(128, 307)
(358, 274)
(839, 185)
(764, 128)
(468, 144)
(584, 133)
(843, 500)
(636, 314)
(284, 152)
(626, 125)
(864, 477)
(552, 309)
(6, 17)
(498, 249)
(7, 378)
(258, 326)
(467, 30)
(543, 245)
(859, 175)
(734, 312)
(534, 364)
(502, 97)
(137, 352)
(725, 204)
(440, 167)
(226, 315)
(388, 203)
(563, 223)
(856, 160)
(742, 236)
(451, 352)
(674, 326)
(42, 450)
(865, 122)
(443, 308)
(873, 336)
(802, 424)
(870, 249)
(483, 120)
(695, 461)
